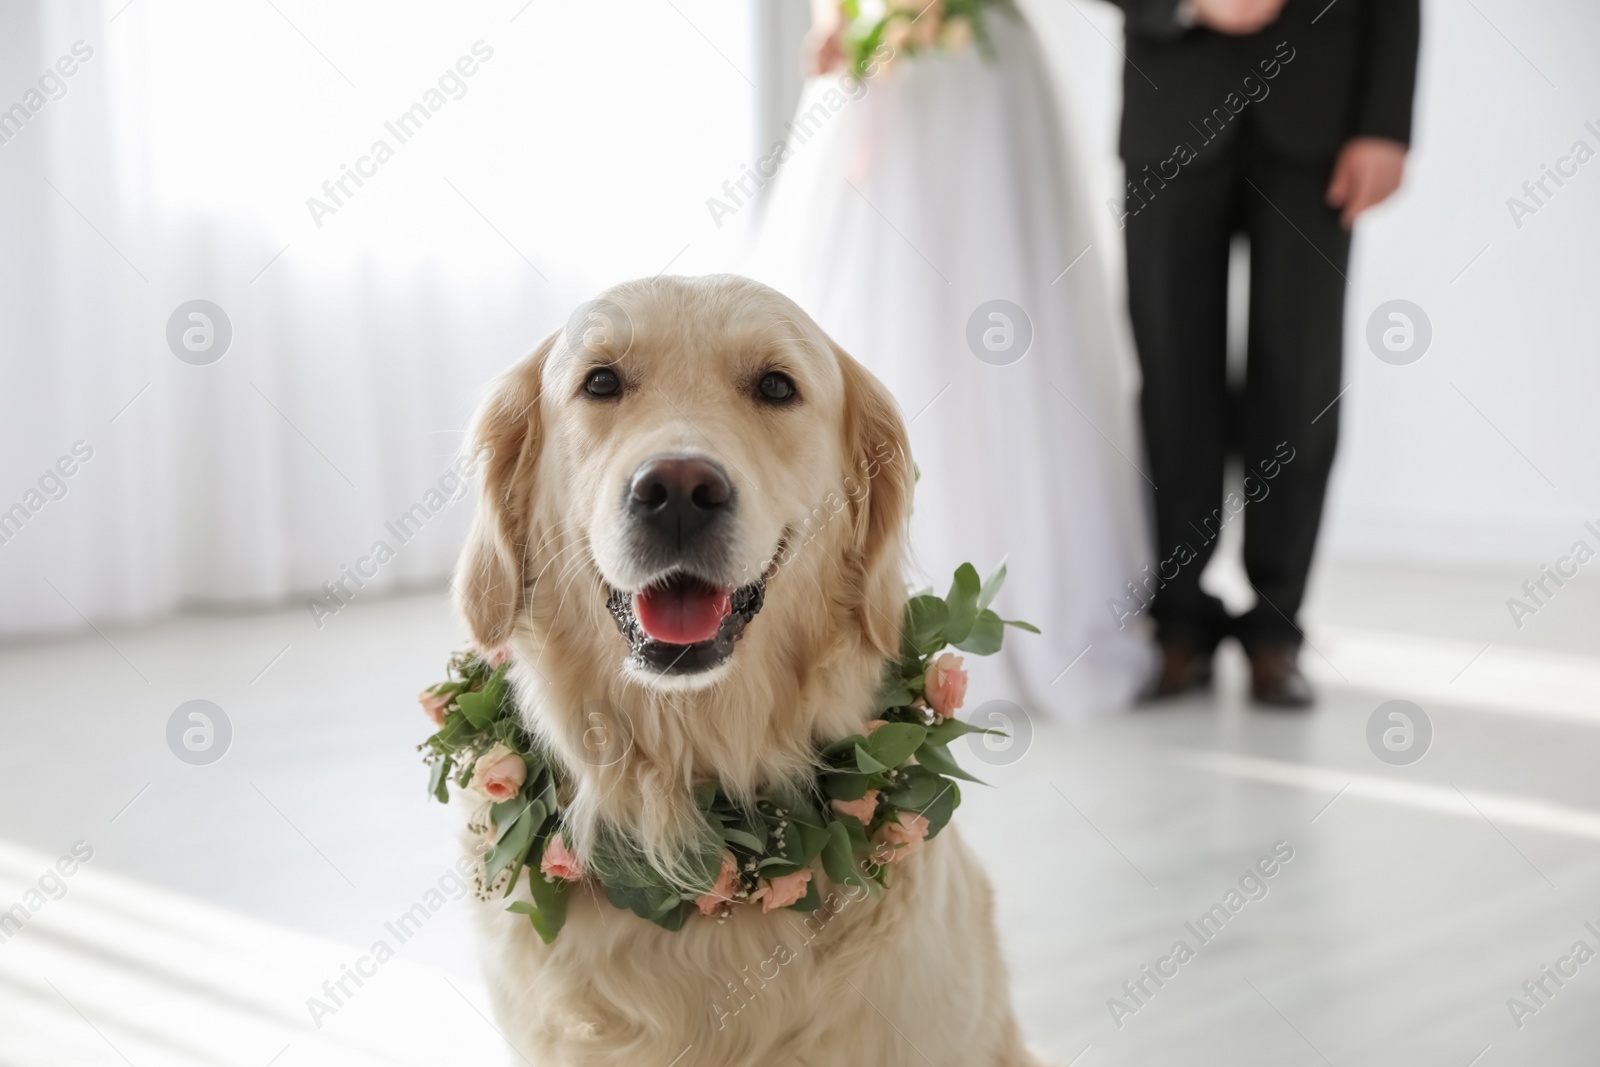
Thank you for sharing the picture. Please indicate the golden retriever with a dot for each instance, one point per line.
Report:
(690, 536)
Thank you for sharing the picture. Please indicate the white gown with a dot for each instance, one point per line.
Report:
(896, 214)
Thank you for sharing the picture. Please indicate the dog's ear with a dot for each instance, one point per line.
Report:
(505, 442)
(879, 487)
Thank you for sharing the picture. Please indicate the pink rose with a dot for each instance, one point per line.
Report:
(862, 809)
(498, 657)
(499, 773)
(433, 705)
(903, 834)
(722, 891)
(945, 685)
(781, 892)
(559, 861)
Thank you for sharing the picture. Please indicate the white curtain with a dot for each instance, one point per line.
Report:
(175, 163)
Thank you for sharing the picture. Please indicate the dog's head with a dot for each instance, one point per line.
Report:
(689, 488)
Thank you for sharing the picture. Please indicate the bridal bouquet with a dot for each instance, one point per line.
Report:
(878, 31)
(873, 798)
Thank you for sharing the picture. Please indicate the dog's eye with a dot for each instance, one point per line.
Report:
(602, 382)
(775, 388)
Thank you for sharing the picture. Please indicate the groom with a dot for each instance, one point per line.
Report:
(1282, 120)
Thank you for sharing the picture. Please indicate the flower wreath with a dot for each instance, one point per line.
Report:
(878, 794)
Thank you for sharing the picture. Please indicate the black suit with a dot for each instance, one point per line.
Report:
(1353, 74)
(1238, 134)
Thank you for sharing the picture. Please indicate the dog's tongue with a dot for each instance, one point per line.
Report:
(682, 611)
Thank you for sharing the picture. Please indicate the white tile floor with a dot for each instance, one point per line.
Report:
(219, 898)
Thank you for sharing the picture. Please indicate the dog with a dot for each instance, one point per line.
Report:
(690, 538)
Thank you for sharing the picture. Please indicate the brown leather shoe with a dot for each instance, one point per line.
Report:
(1275, 678)
(1184, 668)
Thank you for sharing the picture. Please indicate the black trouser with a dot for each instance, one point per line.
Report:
(1282, 426)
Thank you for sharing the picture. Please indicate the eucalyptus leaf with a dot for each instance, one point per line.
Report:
(986, 636)
(838, 858)
(483, 707)
(917, 791)
(945, 732)
(752, 822)
(844, 786)
(944, 805)
(812, 841)
(513, 844)
(660, 904)
(1019, 624)
(537, 814)
(866, 762)
(743, 839)
(675, 918)
(548, 912)
(843, 746)
(548, 893)
(937, 758)
(662, 900)
(503, 813)
(439, 779)
(617, 863)
(962, 604)
(521, 862)
(629, 897)
(991, 587)
(926, 617)
(803, 812)
(455, 730)
(892, 691)
(892, 743)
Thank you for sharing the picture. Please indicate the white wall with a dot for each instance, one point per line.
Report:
(1425, 476)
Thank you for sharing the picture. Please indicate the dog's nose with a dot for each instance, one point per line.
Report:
(679, 495)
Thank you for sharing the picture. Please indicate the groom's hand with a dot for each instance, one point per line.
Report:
(1236, 16)
(1367, 171)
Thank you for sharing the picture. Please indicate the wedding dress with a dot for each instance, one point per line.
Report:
(904, 207)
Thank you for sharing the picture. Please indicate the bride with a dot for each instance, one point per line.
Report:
(928, 216)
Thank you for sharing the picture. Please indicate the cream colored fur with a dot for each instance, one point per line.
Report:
(911, 978)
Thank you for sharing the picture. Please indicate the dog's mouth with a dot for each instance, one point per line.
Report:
(683, 624)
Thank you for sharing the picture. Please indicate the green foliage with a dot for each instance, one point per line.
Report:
(548, 912)
(903, 759)
(482, 707)
(962, 604)
(986, 636)
(893, 743)
(922, 633)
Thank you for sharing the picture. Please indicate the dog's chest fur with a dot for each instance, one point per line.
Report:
(769, 989)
